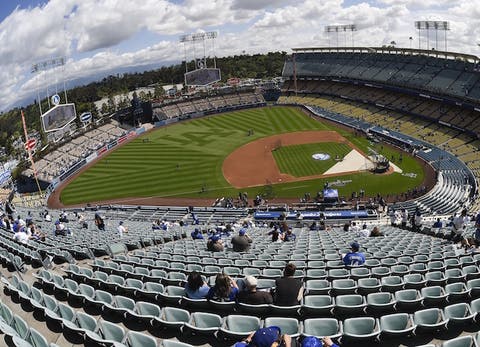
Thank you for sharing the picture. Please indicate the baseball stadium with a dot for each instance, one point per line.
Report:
(333, 205)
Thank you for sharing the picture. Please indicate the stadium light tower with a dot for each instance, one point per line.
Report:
(341, 28)
(426, 26)
(202, 37)
(46, 66)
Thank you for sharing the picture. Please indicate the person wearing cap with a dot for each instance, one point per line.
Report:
(251, 296)
(21, 233)
(354, 258)
(242, 241)
(288, 289)
(60, 229)
(288, 236)
(196, 234)
(215, 244)
(266, 337)
(121, 229)
(313, 341)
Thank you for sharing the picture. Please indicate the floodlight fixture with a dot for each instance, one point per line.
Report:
(426, 26)
(341, 28)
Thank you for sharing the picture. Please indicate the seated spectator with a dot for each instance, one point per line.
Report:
(313, 341)
(215, 244)
(121, 229)
(313, 226)
(364, 232)
(21, 236)
(354, 258)
(99, 222)
(266, 337)
(275, 234)
(288, 289)
(437, 224)
(225, 289)
(156, 224)
(196, 288)
(47, 217)
(60, 229)
(196, 234)
(354, 228)
(242, 241)
(346, 226)
(81, 221)
(288, 236)
(251, 295)
(376, 232)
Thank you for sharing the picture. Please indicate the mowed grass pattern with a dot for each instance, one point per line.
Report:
(185, 160)
(296, 160)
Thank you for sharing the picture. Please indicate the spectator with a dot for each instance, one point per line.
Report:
(404, 218)
(242, 241)
(215, 244)
(99, 222)
(121, 229)
(251, 295)
(60, 229)
(21, 235)
(376, 232)
(313, 226)
(225, 289)
(156, 224)
(364, 232)
(196, 234)
(458, 227)
(417, 220)
(81, 221)
(47, 217)
(354, 258)
(354, 228)
(437, 224)
(9, 208)
(288, 289)
(196, 288)
(266, 337)
(275, 234)
(313, 341)
(288, 236)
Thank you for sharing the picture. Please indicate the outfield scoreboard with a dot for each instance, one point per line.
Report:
(58, 117)
(202, 77)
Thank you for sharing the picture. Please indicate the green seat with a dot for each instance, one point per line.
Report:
(173, 318)
(380, 303)
(458, 314)
(288, 326)
(318, 305)
(18, 327)
(238, 327)
(392, 283)
(204, 323)
(454, 275)
(473, 286)
(430, 319)
(414, 281)
(368, 285)
(337, 274)
(456, 292)
(343, 286)
(435, 278)
(397, 324)
(350, 305)
(106, 333)
(151, 291)
(461, 341)
(359, 272)
(322, 327)
(434, 296)
(318, 287)
(259, 310)
(38, 340)
(172, 295)
(82, 322)
(408, 300)
(360, 329)
(144, 312)
(136, 339)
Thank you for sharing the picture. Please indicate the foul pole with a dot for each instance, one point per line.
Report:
(29, 150)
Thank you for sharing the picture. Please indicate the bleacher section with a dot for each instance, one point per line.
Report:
(425, 120)
(137, 298)
(208, 105)
(442, 73)
(58, 161)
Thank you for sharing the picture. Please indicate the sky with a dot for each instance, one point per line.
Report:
(99, 37)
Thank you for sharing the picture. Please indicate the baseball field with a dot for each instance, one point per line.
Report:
(248, 151)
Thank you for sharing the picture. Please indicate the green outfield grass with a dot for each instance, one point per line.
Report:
(297, 160)
(185, 160)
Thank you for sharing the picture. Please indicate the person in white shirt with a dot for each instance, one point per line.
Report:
(459, 225)
(364, 232)
(21, 235)
(404, 217)
(121, 229)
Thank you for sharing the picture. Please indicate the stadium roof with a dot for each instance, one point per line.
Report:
(393, 50)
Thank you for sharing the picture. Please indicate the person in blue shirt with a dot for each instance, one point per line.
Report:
(354, 258)
(196, 288)
(437, 224)
(288, 236)
(225, 289)
(197, 234)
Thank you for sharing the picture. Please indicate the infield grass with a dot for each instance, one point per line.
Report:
(297, 160)
(185, 160)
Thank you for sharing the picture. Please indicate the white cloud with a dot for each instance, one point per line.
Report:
(91, 32)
